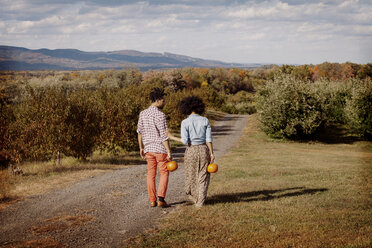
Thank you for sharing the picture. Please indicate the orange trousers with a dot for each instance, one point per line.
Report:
(154, 161)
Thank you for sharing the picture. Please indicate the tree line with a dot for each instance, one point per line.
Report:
(78, 112)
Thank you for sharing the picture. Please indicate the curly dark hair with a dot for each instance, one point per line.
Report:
(192, 104)
(156, 94)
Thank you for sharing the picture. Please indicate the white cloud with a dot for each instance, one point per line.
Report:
(20, 27)
(264, 10)
(164, 22)
(254, 36)
(234, 31)
(348, 3)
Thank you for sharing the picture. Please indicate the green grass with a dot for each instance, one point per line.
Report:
(270, 193)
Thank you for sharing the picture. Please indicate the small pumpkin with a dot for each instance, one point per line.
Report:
(212, 168)
(172, 165)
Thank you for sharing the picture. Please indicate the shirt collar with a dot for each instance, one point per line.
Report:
(153, 107)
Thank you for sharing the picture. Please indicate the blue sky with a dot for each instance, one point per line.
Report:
(271, 31)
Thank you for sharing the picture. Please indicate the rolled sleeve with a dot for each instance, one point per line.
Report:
(185, 137)
(162, 126)
(208, 135)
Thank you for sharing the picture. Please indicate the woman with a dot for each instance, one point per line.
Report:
(196, 132)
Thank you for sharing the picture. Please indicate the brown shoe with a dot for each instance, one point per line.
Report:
(153, 204)
(163, 204)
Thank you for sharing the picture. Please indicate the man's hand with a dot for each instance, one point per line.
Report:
(142, 153)
(140, 142)
(169, 156)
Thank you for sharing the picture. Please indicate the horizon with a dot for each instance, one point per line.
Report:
(163, 53)
(246, 32)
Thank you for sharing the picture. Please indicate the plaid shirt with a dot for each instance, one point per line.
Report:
(152, 124)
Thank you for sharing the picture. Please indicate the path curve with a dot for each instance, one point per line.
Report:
(105, 210)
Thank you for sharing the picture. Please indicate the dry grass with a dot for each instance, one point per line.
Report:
(61, 223)
(36, 243)
(4, 184)
(40, 177)
(271, 193)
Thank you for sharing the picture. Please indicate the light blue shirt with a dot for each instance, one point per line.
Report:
(196, 130)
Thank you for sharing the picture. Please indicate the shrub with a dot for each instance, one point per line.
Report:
(52, 119)
(212, 99)
(83, 124)
(5, 116)
(120, 111)
(28, 131)
(359, 108)
(240, 103)
(174, 80)
(290, 108)
(333, 96)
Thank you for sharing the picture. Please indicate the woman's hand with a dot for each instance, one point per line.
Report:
(211, 158)
(210, 147)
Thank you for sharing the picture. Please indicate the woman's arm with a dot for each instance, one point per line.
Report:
(209, 140)
(210, 147)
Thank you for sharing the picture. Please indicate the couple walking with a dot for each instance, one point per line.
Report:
(153, 139)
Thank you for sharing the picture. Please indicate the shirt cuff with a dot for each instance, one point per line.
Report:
(184, 141)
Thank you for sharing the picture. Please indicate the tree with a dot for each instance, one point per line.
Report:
(5, 114)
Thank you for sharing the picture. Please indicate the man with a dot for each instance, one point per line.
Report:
(154, 146)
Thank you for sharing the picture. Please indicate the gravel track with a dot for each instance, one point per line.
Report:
(105, 210)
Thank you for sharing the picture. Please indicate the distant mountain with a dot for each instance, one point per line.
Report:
(19, 58)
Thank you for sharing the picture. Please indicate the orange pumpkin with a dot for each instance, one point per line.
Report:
(212, 168)
(172, 165)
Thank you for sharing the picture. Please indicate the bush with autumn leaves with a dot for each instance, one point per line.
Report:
(77, 113)
(76, 121)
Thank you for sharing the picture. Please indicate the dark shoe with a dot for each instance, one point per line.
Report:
(163, 204)
(153, 204)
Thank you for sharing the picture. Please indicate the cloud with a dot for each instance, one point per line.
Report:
(264, 10)
(216, 29)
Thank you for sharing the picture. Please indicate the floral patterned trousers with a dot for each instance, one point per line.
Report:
(197, 177)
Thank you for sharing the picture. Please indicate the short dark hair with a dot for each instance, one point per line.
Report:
(156, 94)
(192, 104)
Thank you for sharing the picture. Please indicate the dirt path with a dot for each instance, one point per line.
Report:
(101, 211)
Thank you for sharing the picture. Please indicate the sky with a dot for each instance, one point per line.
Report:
(270, 31)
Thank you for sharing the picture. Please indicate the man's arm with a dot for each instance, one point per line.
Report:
(162, 126)
(167, 147)
(140, 142)
(170, 136)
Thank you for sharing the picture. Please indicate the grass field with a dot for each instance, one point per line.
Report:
(271, 193)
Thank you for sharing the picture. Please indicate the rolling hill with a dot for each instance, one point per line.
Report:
(19, 58)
